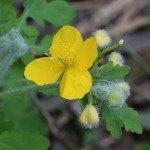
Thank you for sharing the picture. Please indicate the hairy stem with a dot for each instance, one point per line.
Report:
(102, 54)
(89, 95)
(25, 89)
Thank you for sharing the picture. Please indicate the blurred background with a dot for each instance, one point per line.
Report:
(124, 19)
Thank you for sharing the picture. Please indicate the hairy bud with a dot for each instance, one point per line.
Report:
(89, 117)
(116, 58)
(102, 37)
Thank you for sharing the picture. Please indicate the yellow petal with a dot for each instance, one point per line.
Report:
(65, 43)
(75, 84)
(43, 71)
(86, 55)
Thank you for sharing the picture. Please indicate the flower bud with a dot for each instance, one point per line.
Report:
(116, 58)
(102, 37)
(89, 117)
(18, 44)
(12, 46)
(101, 90)
(121, 42)
(115, 99)
(124, 86)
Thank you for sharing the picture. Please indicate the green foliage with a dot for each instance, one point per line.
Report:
(7, 16)
(130, 119)
(23, 141)
(17, 106)
(28, 57)
(31, 33)
(125, 116)
(110, 73)
(5, 125)
(41, 10)
(44, 46)
(113, 122)
(61, 9)
(22, 113)
(53, 91)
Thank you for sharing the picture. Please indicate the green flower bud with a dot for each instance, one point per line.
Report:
(12, 46)
(101, 90)
(125, 87)
(18, 44)
(115, 99)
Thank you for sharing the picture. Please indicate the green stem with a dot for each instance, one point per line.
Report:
(105, 51)
(89, 95)
(23, 19)
(109, 49)
(4, 66)
(20, 91)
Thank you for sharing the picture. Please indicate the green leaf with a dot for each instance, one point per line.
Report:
(5, 125)
(15, 75)
(116, 118)
(30, 31)
(113, 123)
(19, 111)
(23, 141)
(56, 12)
(59, 13)
(52, 91)
(27, 58)
(44, 45)
(113, 73)
(130, 119)
(35, 9)
(7, 16)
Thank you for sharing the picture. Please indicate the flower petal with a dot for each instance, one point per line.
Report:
(65, 43)
(43, 71)
(75, 84)
(86, 55)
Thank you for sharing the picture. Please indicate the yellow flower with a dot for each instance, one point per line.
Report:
(71, 57)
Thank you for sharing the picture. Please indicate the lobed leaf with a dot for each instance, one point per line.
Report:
(7, 16)
(19, 111)
(113, 73)
(130, 119)
(56, 12)
(113, 123)
(125, 116)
